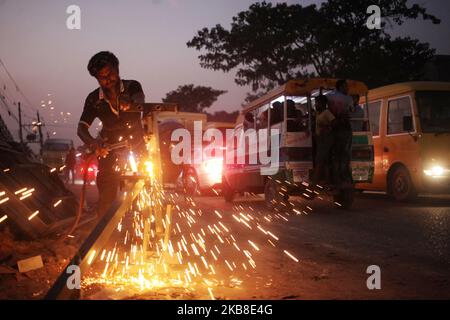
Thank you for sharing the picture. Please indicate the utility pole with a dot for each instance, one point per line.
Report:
(41, 137)
(20, 125)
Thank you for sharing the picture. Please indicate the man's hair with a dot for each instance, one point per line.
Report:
(340, 83)
(322, 99)
(100, 60)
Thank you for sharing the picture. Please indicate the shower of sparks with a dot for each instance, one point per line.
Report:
(33, 215)
(290, 256)
(3, 218)
(57, 203)
(20, 191)
(4, 200)
(91, 257)
(211, 294)
(193, 249)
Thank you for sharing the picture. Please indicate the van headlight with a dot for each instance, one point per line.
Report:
(213, 168)
(435, 171)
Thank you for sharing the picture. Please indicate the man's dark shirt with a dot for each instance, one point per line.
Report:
(116, 125)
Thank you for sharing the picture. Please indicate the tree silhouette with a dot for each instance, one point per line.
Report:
(270, 44)
(192, 98)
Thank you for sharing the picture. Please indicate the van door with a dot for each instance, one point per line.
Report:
(375, 119)
(400, 145)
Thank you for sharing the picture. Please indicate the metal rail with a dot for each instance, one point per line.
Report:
(93, 245)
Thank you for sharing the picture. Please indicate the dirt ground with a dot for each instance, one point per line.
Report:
(34, 284)
(55, 253)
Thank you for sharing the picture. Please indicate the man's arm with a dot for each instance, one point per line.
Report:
(84, 134)
(86, 119)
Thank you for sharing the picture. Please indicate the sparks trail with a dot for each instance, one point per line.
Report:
(21, 194)
(206, 247)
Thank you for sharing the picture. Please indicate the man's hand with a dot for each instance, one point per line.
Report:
(125, 106)
(101, 151)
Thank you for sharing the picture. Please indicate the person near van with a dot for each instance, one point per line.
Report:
(324, 139)
(357, 113)
(340, 104)
(71, 160)
(106, 103)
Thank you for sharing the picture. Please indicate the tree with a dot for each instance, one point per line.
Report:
(260, 45)
(192, 98)
(348, 49)
(252, 96)
(270, 44)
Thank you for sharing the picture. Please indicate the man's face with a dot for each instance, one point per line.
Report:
(108, 77)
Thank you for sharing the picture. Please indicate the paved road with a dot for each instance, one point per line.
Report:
(408, 241)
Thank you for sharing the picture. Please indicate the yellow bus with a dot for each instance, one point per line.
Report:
(410, 124)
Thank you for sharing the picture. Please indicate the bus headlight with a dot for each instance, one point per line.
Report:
(435, 171)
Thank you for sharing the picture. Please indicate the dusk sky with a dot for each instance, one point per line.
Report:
(149, 37)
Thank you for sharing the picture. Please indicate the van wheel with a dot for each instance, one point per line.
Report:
(400, 185)
(227, 191)
(273, 195)
(191, 186)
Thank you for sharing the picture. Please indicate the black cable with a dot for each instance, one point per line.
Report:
(17, 86)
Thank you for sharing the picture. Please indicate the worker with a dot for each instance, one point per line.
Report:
(108, 103)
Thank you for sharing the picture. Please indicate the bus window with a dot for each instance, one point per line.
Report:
(374, 117)
(434, 111)
(277, 111)
(398, 109)
(297, 114)
(262, 116)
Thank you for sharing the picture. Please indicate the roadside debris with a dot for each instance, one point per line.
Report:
(30, 264)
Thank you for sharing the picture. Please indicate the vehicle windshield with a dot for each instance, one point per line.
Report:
(56, 147)
(434, 111)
